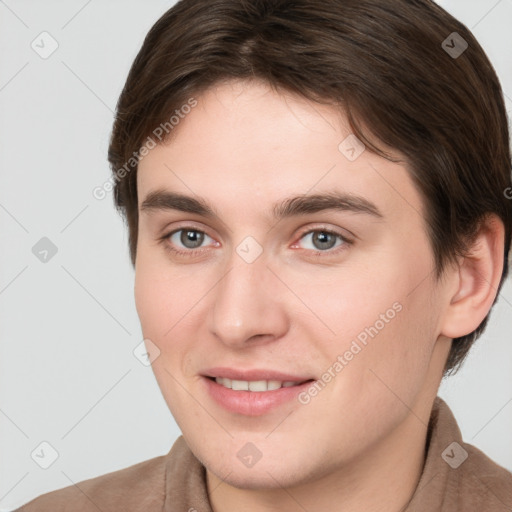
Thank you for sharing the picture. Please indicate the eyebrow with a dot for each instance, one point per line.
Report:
(161, 200)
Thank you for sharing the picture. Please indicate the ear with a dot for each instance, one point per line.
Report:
(476, 281)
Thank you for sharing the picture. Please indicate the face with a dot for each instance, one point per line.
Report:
(238, 284)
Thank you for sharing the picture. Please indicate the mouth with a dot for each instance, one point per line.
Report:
(257, 386)
(254, 375)
(255, 392)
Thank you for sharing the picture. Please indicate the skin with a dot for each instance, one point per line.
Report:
(361, 440)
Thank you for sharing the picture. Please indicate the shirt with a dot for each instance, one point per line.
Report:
(456, 477)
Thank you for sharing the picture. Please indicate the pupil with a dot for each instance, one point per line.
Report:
(324, 240)
(191, 239)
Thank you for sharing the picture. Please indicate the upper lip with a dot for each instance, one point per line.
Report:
(254, 374)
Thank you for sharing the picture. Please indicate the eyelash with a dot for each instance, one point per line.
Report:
(191, 253)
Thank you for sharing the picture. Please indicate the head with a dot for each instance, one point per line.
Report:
(340, 180)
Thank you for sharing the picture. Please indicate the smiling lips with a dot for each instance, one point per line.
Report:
(252, 392)
(246, 380)
(255, 385)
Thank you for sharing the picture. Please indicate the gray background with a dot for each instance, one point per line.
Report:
(68, 326)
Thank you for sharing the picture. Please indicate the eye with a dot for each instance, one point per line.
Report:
(188, 238)
(322, 240)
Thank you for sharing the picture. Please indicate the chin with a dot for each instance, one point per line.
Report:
(273, 472)
(259, 479)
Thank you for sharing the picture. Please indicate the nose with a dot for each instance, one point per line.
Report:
(248, 305)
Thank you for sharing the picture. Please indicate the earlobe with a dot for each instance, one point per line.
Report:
(478, 278)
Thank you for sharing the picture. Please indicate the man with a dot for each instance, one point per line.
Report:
(320, 224)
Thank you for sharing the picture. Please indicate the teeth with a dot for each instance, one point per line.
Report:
(239, 385)
(254, 385)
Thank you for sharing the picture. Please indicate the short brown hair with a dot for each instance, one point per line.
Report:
(383, 61)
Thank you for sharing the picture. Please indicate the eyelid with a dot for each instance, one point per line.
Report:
(190, 225)
(324, 227)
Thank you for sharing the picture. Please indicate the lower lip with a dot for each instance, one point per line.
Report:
(253, 403)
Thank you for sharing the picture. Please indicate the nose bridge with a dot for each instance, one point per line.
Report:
(244, 302)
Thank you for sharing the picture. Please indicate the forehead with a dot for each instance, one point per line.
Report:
(246, 145)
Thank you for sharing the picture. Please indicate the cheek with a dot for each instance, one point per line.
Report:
(150, 301)
(379, 315)
(348, 300)
(162, 294)
(170, 305)
(154, 288)
(162, 301)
